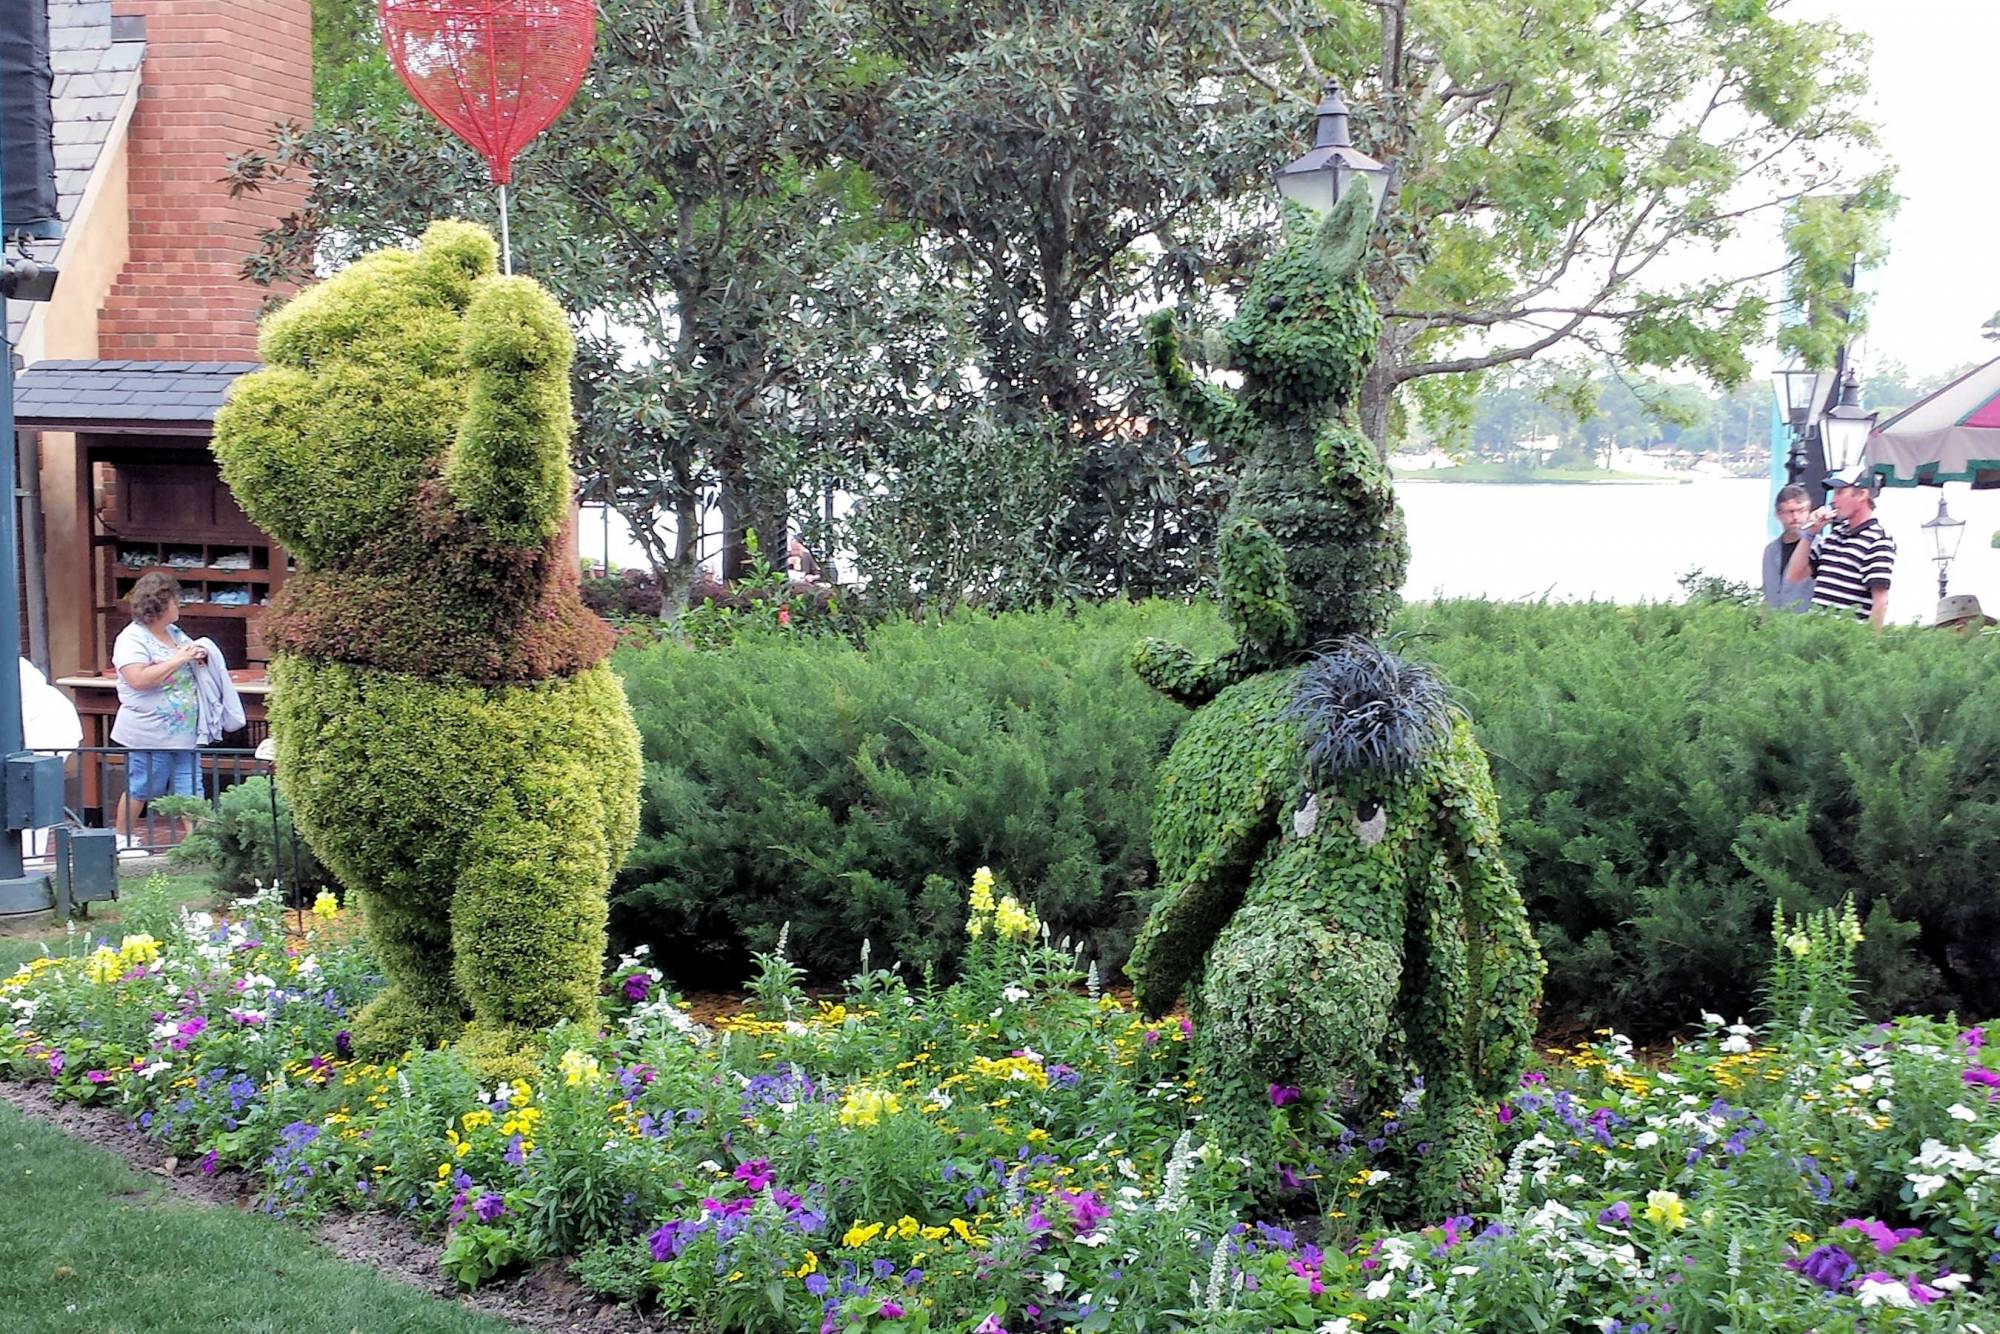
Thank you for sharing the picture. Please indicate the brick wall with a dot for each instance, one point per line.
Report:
(218, 74)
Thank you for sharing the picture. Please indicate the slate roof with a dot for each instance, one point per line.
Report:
(96, 57)
(178, 397)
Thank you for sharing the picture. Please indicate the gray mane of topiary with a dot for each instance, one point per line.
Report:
(1361, 707)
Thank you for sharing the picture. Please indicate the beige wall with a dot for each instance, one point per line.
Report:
(96, 244)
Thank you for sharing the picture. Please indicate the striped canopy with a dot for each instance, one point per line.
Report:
(1951, 436)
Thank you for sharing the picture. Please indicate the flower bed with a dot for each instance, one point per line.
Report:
(1016, 1152)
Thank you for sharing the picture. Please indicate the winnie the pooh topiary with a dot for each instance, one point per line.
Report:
(455, 746)
(1333, 901)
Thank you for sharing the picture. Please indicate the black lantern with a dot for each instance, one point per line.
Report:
(1845, 428)
(1946, 533)
(1801, 393)
(1324, 176)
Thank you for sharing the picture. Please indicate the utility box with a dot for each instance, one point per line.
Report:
(34, 791)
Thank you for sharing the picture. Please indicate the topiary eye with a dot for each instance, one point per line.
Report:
(1367, 811)
(1275, 304)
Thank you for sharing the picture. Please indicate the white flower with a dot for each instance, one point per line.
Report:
(1377, 1290)
(1926, 1185)
(1646, 1140)
(1958, 1111)
(1052, 1281)
(1338, 1325)
(1951, 1282)
(1711, 1020)
(1015, 994)
(1735, 1044)
(1875, 1292)
(1093, 1238)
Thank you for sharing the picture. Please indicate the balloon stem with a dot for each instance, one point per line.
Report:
(506, 242)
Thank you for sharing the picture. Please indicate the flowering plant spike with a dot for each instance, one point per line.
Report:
(455, 746)
(1334, 901)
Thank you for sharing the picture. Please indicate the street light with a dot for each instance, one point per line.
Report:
(1324, 176)
(1845, 428)
(1801, 392)
(1946, 533)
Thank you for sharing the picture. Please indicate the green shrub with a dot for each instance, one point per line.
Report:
(1666, 774)
(234, 839)
(852, 792)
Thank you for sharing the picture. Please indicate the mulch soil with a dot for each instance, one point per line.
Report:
(547, 1298)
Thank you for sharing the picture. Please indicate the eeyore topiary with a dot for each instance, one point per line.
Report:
(449, 734)
(1333, 900)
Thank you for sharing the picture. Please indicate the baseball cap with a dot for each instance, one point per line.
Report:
(1855, 476)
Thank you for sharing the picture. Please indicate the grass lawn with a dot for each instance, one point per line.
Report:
(87, 1244)
(22, 938)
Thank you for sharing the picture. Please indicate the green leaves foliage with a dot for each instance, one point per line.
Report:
(853, 791)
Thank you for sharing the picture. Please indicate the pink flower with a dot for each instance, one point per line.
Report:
(1283, 1094)
(891, 1311)
(97, 1076)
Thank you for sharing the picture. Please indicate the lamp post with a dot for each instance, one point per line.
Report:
(1801, 393)
(1946, 533)
(1845, 428)
(1326, 174)
(30, 785)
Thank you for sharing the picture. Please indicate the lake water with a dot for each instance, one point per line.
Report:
(1618, 542)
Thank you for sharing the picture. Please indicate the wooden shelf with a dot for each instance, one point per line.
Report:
(195, 574)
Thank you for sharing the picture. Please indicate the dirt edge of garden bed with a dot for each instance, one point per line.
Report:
(547, 1299)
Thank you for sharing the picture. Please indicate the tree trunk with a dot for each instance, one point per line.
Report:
(1378, 394)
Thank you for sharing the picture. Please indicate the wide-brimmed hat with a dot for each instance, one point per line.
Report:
(1960, 608)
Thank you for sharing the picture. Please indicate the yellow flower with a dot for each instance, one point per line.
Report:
(474, 1120)
(982, 889)
(1798, 944)
(140, 948)
(907, 1227)
(578, 1068)
(1666, 1208)
(865, 1106)
(103, 965)
(976, 927)
(326, 905)
(1010, 919)
(811, 1266)
(965, 1233)
(860, 1234)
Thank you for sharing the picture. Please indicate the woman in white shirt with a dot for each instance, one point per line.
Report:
(158, 704)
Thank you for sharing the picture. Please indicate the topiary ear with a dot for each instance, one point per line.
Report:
(1343, 238)
(453, 255)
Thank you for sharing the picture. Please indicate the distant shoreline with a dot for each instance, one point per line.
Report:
(1505, 476)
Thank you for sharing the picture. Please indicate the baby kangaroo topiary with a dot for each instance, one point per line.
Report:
(449, 734)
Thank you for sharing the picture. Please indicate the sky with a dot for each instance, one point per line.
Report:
(1934, 99)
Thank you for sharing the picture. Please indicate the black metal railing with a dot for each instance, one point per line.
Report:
(94, 788)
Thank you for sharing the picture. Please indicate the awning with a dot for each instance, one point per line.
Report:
(1951, 436)
(124, 397)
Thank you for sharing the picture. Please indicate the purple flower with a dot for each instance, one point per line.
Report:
(192, 1027)
(891, 1311)
(1084, 1210)
(636, 987)
(1616, 1215)
(55, 1063)
(1973, 1038)
(343, 1044)
(756, 1174)
(208, 1163)
(990, 1325)
(514, 1157)
(1829, 1266)
(672, 1237)
(1283, 1094)
(97, 1076)
(816, 1284)
(488, 1207)
(1886, 1239)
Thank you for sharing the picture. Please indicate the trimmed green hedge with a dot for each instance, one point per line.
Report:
(1665, 773)
(853, 793)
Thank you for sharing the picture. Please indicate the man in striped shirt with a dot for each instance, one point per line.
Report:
(1846, 552)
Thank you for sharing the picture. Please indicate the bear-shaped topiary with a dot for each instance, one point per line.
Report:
(1312, 547)
(452, 740)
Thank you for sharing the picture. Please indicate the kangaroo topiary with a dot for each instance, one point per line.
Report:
(1312, 547)
(1326, 829)
(448, 732)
